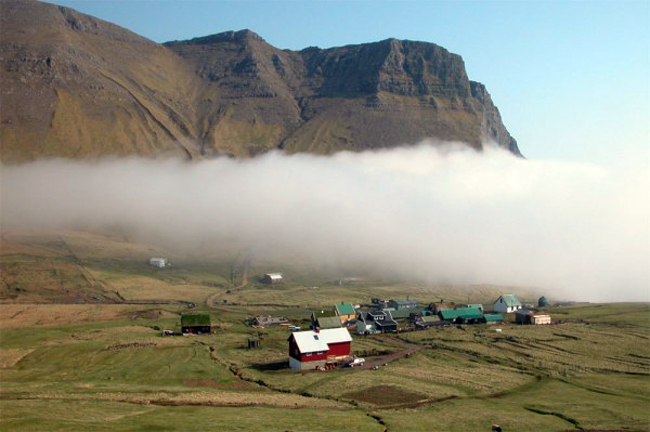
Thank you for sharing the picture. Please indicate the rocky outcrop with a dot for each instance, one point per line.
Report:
(76, 86)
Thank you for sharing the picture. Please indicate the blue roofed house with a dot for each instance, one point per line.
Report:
(507, 303)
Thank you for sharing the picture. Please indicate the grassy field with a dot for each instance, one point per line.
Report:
(73, 359)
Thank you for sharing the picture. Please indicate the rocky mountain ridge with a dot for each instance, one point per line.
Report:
(76, 86)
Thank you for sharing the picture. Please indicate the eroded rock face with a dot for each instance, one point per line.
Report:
(75, 86)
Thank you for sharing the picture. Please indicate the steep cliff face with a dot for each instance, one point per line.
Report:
(76, 86)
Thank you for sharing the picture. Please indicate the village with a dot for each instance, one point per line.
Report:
(327, 342)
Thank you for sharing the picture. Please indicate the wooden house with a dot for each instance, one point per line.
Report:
(271, 278)
(345, 312)
(527, 317)
(196, 324)
(316, 348)
(376, 322)
(507, 303)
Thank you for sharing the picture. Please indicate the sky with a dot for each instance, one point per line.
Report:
(570, 78)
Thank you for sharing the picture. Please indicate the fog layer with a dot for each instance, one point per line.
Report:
(445, 214)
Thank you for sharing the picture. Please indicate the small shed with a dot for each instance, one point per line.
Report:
(253, 343)
(271, 278)
(159, 262)
(196, 324)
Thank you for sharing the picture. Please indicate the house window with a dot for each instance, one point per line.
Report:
(308, 354)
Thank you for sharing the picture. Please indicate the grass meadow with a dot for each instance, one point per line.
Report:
(72, 359)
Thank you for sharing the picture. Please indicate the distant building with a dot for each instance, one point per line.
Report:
(403, 304)
(271, 278)
(196, 323)
(542, 302)
(345, 312)
(316, 348)
(507, 303)
(159, 262)
(269, 320)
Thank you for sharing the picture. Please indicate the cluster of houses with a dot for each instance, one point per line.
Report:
(328, 342)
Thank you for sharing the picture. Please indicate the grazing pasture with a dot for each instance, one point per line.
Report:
(74, 355)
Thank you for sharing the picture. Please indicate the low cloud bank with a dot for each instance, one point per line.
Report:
(442, 213)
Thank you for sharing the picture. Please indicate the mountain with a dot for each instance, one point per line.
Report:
(78, 87)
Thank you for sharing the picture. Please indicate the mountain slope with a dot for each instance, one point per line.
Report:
(75, 86)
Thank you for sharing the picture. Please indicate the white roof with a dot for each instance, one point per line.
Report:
(311, 341)
(274, 275)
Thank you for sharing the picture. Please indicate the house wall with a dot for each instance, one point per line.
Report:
(541, 319)
(310, 365)
(196, 329)
(339, 349)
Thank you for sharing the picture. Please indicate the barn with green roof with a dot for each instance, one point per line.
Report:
(196, 324)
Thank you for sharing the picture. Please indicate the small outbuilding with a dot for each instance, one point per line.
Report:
(196, 324)
(271, 278)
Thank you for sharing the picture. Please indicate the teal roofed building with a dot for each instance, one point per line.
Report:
(345, 311)
(507, 303)
(459, 316)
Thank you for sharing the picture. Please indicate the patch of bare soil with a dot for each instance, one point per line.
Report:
(385, 395)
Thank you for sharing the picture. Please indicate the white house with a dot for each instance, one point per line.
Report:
(158, 262)
(507, 303)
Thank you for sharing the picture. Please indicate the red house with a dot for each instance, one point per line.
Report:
(314, 348)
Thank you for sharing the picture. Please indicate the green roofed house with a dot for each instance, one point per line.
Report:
(345, 312)
(196, 323)
(507, 303)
